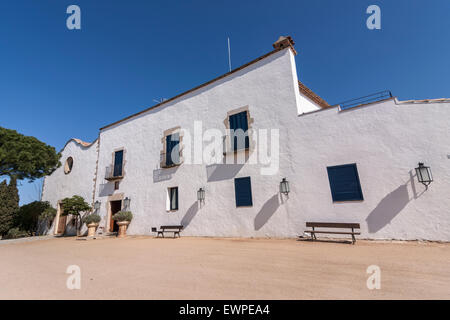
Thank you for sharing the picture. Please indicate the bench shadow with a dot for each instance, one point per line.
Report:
(325, 240)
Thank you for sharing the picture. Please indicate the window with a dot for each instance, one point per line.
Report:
(173, 149)
(68, 165)
(239, 128)
(118, 163)
(243, 192)
(116, 185)
(344, 183)
(173, 198)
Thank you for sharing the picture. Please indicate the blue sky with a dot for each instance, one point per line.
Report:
(56, 83)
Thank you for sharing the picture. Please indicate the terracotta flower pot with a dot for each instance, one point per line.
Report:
(122, 228)
(92, 227)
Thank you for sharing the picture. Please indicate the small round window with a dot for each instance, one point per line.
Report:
(68, 166)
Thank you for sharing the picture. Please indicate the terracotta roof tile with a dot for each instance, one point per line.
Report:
(311, 95)
(83, 143)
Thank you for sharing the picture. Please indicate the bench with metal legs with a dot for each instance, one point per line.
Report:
(332, 225)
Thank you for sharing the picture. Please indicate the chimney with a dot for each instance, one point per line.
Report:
(284, 42)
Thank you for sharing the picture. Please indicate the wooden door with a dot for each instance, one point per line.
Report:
(61, 224)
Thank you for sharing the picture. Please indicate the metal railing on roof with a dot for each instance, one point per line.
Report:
(382, 95)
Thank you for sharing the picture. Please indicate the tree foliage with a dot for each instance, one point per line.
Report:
(9, 204)
(25, 157)
(75, 206)
(29, 215)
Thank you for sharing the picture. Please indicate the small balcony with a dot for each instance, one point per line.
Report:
(167, 163)
(231, 144)
(113, 173)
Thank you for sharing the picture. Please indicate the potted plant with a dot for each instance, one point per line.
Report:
(123, 219)
(92, 222)
(75, 206)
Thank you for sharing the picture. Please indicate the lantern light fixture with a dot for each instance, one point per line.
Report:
(284, 186)
(424, 174)
(97, 205)
(201, 195)
(126, 204)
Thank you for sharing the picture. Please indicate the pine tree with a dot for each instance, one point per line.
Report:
(9, 200)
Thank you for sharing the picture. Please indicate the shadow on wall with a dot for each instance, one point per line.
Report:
(190, 214)
(106, 189)
(391, 205)
(164, 174)
(267, 211)
(219, 172)
(387, 209)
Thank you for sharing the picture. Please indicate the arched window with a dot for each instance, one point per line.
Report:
(68, 166)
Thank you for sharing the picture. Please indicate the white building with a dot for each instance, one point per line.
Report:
(352, 165)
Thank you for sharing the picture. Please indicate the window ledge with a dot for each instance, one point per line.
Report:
(235, 151)
(113, 178)
(348, 201)
(170, 166)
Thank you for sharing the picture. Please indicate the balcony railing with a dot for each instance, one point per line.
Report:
(110, 175)
(374, 97)
(229, 147)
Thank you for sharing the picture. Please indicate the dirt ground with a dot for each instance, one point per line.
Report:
(210, 268)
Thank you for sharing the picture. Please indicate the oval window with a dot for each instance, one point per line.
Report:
(68, 166)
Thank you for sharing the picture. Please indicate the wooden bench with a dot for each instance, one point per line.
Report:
(332, 225)
(175, 229)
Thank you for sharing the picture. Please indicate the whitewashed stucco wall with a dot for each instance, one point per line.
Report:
(268, 89)
(386, 140)
(80, 181)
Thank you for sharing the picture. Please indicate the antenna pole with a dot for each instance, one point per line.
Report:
(229, 54)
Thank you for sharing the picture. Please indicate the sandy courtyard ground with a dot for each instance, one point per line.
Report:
(208, 268)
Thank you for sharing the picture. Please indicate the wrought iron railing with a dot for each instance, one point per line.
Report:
(111, 175)
(374, 97)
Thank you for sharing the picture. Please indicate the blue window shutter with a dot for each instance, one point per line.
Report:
(239, 121)
(173, 149)
(118, 161)
(243, 192)
(168, 150)
(176, 148)
(344, 183)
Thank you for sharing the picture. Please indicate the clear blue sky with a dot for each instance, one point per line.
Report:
(56, 83)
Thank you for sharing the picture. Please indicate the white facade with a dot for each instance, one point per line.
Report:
(80, 181)
(386, 140)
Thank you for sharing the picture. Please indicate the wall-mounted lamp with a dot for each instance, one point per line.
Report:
(424, 174)
(201, 195)
(284, 186)
(97, 205)
(126, 204)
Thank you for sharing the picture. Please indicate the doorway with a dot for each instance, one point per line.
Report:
(115, 206)
(61, 221)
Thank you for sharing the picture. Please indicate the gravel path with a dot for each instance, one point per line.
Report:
(211, 268)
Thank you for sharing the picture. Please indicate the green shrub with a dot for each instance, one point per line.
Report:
(123, 216)
(29, 214)
(9, 201)
(15, 233)
(48, 214)
(92, 218)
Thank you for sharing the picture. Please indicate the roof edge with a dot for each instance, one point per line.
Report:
(79, 142)
(422, 101)
(197, 87)
(312, 95)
